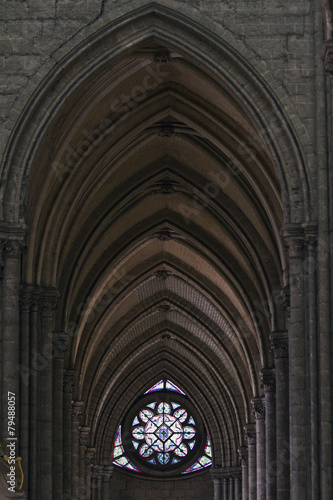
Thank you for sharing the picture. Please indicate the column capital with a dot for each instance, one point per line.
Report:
(69, 379)
(279, 344)
(294, 238)
(60, 341)
(250, 433)
(216, 473)
(327, 57)
(243, 452)
(12, 239)
(77, 411)
(48, 301)
(268, 379)
(258, 408)
(84, 435)
(107, 472)
(90, 453)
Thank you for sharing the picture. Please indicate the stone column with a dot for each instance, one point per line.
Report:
(11, 240)
(313, 370)
(94, 482)
(106, 480)
(238, 485)
(280, 351)
(99, 482)
(84, 436)
(45, 409)
(25, 306)
(244, 460)
(216, 475)
(60, 344)
(231, 484)
(77, 409)
(268, 383)
(258, 411)
(250, 433)
(33, 394)
(68, 381)
(294, 238)
(225, 487)
(90, 453)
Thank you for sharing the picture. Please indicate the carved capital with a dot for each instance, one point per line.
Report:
(258, 409)
(60, 342)
(243, 455)
(268, 379)
(216, 473)
(107, 472)
(77, 411)
(327, 56)
(90, 453)
(84, 435)
(279, 344)
(48, 301)
(11, 249)
(69, 379)
(250, 433)
(294, 240)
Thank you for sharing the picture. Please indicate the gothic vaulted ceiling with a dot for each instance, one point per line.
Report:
(154, 208)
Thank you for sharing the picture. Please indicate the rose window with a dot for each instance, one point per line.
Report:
(163, 433)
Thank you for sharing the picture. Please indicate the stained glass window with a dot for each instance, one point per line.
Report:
(163, 433)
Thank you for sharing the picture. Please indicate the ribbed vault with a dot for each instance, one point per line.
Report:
(154, 207)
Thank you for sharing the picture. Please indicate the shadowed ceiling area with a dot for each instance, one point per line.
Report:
(154, 208)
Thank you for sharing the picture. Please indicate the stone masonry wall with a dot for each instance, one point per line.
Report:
(126, 487)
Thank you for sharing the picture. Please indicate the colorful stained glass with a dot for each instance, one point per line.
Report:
(157, 387)
(175, 405)
(181, 451)
(146, 415)
(172, 387)
(152, 461)
(135, 444)
(152, 405)
(146, 451)
(117, 451)
(189, 432)
(191, 421)
(181, 415)
(175, 461)
(138, 433)
(136, 421)
(163, 458)
(204, 461)
(163, 408)
(191, 445)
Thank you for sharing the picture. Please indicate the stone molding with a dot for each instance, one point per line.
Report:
(327, 57)
(90, 453)
(279, 344)
(268, 379)
(258, 408)
(69, 380)
(60, 342)
(250, 433)
(243, 452)
(77, 411)
(84, 435)
(294, 238)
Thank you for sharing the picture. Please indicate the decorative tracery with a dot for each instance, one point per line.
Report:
(164, 434)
